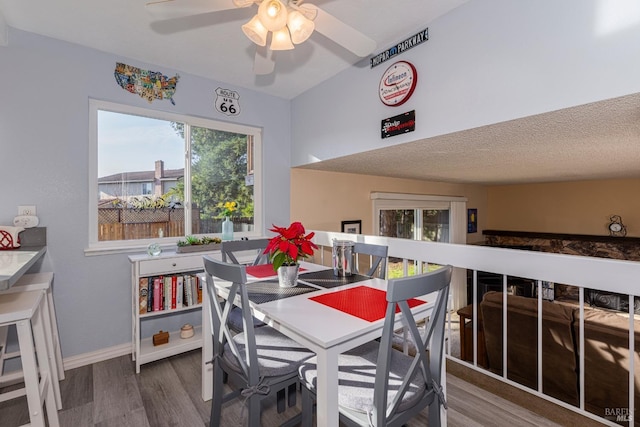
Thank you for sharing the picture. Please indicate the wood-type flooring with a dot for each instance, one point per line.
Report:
(168, 393)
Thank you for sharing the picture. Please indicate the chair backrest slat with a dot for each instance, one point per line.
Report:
(236, 275)
(428, 366)
(378, 254)
(230, 249)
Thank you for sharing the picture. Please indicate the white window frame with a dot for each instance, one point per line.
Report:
(457, 226)
(147, 186)
(96, 247)
(456, 205)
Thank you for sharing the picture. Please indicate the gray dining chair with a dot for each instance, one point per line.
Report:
(380, 386)
(259, 362)
(232, 250)
(378, 256)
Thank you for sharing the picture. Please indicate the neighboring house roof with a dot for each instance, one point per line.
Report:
(169, 174)
(106, 201)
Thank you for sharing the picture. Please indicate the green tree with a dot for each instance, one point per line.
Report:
(177, 192)
(218, 169)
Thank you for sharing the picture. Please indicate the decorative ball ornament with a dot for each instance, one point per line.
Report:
(616, 227)
(154, 249)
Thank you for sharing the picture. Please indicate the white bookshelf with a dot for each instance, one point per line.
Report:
(176, 345)
(167, 263)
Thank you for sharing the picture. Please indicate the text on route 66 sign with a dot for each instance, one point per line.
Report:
(227, 102)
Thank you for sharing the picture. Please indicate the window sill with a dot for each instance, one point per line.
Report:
(140, 246)
(123, 249)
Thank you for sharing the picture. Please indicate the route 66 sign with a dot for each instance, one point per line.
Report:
(227, 102)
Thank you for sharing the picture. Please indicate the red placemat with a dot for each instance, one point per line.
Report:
(263, 270)
(362, 301)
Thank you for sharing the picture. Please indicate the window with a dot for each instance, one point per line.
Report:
(431, 225)
(418, 217)
(147, 188)
(162, 175)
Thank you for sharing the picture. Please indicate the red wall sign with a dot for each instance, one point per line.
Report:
(398, 83)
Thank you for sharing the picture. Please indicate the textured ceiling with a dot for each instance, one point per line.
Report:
(593, 141)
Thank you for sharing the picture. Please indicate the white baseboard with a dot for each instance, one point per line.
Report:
(96, 356)
(15, 376)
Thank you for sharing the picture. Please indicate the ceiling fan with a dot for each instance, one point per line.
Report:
(277, 25)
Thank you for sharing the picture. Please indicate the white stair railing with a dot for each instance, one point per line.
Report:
(609, 275)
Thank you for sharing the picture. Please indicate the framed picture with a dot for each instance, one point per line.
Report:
(472, 220)
(353, 226)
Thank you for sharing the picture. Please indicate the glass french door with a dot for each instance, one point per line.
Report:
(418, 217)
(431, 225)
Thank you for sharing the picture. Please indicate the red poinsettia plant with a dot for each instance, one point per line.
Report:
(290, 245)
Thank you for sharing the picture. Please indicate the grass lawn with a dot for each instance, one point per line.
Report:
(395, 269)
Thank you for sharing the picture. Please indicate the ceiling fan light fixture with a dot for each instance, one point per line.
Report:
(272, 14)
(300, 27)
(280, 40)
(255, 31)
(242, 3)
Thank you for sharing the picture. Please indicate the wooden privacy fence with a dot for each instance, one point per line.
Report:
(132, 224)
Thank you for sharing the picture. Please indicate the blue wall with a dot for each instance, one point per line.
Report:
(44, 152)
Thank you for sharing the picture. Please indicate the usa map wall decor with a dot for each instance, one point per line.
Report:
(148, 84)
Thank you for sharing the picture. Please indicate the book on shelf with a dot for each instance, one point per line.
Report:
(157, 293)
(194, 288)
(174, 292)
(150, 295)
(180, 291)
(143, 294)
(187, 290)
(169, 292)
(162, 293)
(199, 287)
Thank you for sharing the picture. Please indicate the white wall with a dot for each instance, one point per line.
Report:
(43, 161)
(485, 62)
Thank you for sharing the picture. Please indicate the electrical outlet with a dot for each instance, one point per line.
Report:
(27, 210)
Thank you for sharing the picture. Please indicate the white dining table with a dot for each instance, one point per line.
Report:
(325, 330)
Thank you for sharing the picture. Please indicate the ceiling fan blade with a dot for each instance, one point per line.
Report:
(263, 62)
(341, 33)
(168, 9)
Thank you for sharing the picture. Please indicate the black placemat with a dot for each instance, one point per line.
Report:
(270, 290)
(326, 279)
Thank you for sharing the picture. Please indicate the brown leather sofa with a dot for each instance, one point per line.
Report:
(606, 351)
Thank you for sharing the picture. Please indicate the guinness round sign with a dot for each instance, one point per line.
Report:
(398, 83)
